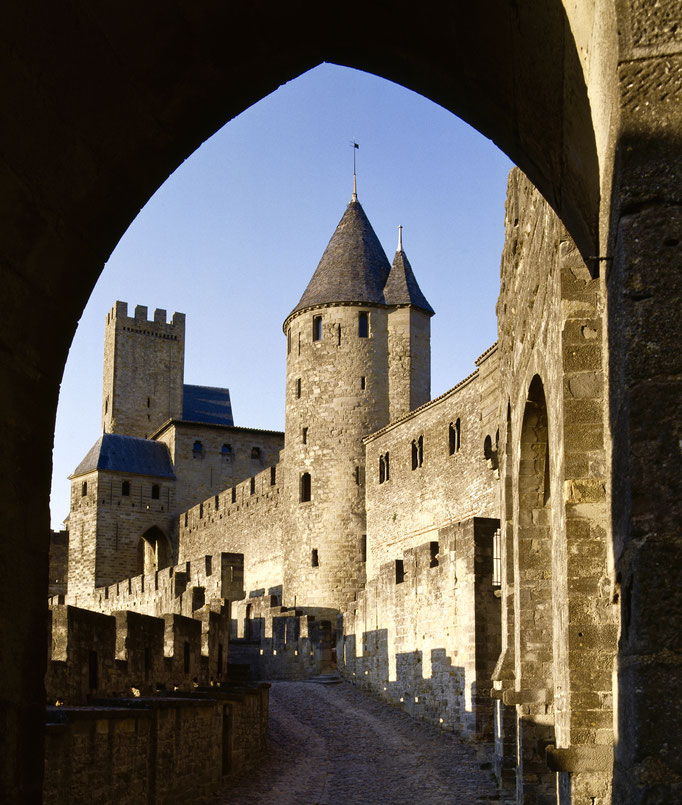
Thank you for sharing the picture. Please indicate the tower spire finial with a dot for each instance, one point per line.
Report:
(400, 237)
(354, 197)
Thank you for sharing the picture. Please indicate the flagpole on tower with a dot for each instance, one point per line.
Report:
(354, 197)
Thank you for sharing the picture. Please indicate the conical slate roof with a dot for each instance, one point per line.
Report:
(401, 286)
(353, 268)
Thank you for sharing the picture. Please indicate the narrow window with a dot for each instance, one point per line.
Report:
(415, 455)
(201, 510)
(216, 501)
(317, 328)
(399, 571)
(289, 341)
(149, 402)
(497, 558)
(382, 470)
(339, 335)
(362, 382)
(315, 558)
(186, 519)
(186, 657)
(125, 489)
(226, 451)
(273, 476)
(305, 487)
(234, 494)
(304, 435)
(197, 449)
(255, 453)
(357, 476)
(363, 547)
(84, 489)
(93, 670)
(299, 343)
(208, 565)
(388, 466)
(363, 324)
(252, 486)
(457, 435)
(420, 449)
(298, 388)
(106, 406)
(433, 559)
(156, 492)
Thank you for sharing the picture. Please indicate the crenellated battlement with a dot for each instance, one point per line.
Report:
(140, 323)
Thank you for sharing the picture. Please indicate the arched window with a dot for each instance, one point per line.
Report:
(226, 451)
(197, 449)
(84, 489)
(382, 470)
(305, 487)
(156, 491)
(454, 436)
(125, 489)
(363, 324)
(415, 455)
(317, 328)
(315, 561)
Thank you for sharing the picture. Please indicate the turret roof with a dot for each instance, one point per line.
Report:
(118, 453)
(401, 286)
(353, 268)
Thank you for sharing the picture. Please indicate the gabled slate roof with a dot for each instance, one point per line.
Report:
(353, 268)
(207, 404)
(118, 453)
(402, 287)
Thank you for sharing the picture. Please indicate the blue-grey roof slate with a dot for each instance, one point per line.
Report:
(207, 404)
(118, 453)
(353, 268)
(402, 287)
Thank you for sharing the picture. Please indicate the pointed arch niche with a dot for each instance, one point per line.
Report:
(153, 551)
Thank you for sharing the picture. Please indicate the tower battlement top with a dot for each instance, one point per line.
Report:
(140, 320)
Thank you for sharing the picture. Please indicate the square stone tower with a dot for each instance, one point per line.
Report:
(143, 370)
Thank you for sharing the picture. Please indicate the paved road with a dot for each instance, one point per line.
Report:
(334, 745)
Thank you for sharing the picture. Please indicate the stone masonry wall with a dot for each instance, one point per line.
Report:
(411, 506)
(250, 518)
(212, 469)
(106, 527)
(143, 370)
(409, 360)
(425, 636)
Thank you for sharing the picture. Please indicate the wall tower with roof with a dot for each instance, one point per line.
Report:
(143, 370)
(341, 359)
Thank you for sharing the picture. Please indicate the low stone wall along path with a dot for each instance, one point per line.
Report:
(332, 744)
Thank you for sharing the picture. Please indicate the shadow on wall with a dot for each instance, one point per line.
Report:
(446, 698)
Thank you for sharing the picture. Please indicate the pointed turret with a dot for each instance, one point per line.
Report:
(401, 286)
(353, 268)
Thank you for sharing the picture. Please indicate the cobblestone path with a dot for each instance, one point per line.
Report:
(335, 745)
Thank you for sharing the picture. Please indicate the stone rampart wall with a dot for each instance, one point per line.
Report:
(154, 750)
(424, 635)
(449, 484)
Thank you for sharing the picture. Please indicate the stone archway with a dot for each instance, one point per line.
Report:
(107, 102)
(153, 551)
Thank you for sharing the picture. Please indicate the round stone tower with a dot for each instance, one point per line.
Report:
(337, 392)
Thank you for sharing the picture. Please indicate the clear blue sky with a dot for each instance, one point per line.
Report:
(234, 235)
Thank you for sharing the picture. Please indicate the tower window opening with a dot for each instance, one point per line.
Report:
(289, 341)
(186, 519)
(357, 475)
(201, 510)
(252, 486)
(363, 547)
(156, 492)
(216, 501)
(497, 558)
(362, 383)
(106, 405)
(382, 469)
(226, 451)
(149, 402)
(399, 571)
(197, 449)
(315, 558)
(363, 324)
(317, 328)
(305, 487)
(234, 494)
(433, 554)
(273, 476)
(339, 335)
(387, 465)
(84, 489)
(125, 489)
(255, 453)
(298, 388)
(304, 435)
(454, 432)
